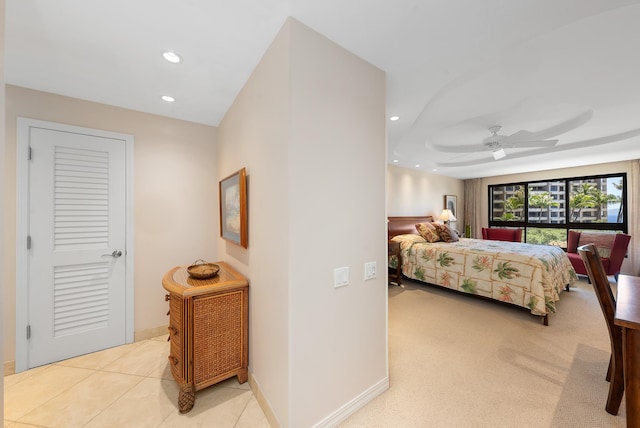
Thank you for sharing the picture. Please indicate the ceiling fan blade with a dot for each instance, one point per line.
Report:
(533, 143)
(524, 137)
(469, 148)
(521, 136)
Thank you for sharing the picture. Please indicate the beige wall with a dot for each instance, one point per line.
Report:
(175, 195)
(309, 128)
(413, 192)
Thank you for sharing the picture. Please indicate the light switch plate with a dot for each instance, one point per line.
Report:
(340, 277)
(369, 270)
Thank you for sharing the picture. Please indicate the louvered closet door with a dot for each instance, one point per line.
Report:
(77, 221)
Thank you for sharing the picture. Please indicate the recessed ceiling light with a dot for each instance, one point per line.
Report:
(172, 57)
(395, 161)
(168, 98)
(394, 118)
(417, 166)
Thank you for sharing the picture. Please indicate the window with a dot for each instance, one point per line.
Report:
(548, 209)
(506, 202)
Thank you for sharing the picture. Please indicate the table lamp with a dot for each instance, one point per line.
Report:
(447, 216)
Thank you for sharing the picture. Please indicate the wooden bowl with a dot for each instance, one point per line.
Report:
(203, 270)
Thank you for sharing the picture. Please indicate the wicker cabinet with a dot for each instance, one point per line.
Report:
(208, 329)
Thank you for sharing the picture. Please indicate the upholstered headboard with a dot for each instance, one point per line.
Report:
(405, 225)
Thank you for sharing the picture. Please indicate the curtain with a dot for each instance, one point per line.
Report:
(472, 220)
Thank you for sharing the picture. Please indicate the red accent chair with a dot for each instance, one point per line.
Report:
(497, 234)
(612, 248)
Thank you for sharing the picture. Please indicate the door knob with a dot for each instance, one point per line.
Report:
(116, 254)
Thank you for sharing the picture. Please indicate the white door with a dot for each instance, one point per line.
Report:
(76, 244)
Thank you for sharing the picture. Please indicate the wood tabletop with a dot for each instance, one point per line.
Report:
(178, 281)
(628, 302)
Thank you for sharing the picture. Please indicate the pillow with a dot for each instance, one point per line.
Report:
(408, 238)
(445, 233)
(602, 240)
(428, 232)
(454, 234)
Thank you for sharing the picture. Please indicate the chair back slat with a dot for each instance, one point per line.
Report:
(601, 285)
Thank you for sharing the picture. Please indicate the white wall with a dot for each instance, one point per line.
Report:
(412, 192)
(175, 196)
(313, 349)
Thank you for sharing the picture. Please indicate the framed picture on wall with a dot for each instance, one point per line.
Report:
(451, 203)
(233, 208)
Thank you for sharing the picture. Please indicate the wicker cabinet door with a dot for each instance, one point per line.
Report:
(218, 339)
(176, 334)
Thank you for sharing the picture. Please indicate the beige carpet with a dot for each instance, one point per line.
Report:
(458, 361)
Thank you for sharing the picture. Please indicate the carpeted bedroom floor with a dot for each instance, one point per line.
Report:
(457, 361)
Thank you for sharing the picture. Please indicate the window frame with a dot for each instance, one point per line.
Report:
(568, 224)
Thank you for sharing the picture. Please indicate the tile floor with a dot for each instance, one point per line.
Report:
(130, 386)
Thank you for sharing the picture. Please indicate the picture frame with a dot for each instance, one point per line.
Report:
(451, 203)
(233, 208)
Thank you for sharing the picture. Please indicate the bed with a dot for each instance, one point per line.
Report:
(526, 275)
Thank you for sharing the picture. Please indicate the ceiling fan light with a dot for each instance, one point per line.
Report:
(499, 154)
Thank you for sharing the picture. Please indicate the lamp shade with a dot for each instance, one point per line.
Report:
(447, 215)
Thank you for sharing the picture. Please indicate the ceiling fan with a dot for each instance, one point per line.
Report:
(496, 143)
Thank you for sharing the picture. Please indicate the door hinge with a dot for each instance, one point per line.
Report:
(29, 153)
(28, 332)
(28, 242)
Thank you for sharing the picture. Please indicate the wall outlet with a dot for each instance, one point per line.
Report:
(340, 277)
(369, 270)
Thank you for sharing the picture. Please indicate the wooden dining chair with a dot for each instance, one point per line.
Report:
(598, 277)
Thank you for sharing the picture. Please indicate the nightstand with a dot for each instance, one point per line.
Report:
(394, 263)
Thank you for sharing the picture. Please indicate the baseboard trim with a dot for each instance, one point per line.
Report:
(150, 333)
(262, 401)
(354, 405)
(9, 368)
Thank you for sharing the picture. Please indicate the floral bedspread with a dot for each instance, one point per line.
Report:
(527, 275)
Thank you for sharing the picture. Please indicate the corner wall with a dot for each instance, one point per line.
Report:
(254, 134)
(309, 126)
(2, 201)
(337, 218)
